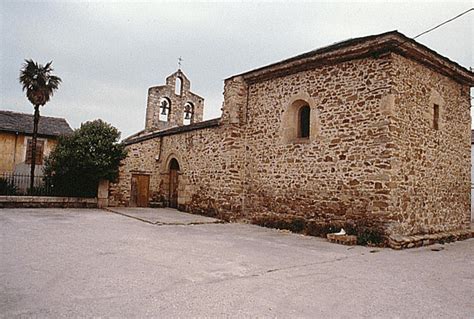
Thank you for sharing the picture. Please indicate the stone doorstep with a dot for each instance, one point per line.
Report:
(349, 240)
(401, 242)
(157, 204)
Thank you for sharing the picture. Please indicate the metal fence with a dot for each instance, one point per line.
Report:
(19, 184)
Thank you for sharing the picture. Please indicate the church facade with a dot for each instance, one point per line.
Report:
(372, 131)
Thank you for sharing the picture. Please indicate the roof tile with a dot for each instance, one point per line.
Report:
(23, 123)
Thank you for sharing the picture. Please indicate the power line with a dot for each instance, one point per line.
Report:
(443, 23)
(436, 27)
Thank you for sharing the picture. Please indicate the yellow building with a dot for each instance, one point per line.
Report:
(16, 130)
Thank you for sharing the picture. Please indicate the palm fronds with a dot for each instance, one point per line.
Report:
(38, 82)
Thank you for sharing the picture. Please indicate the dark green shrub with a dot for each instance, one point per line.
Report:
(367, 233)
(7, 187)
(80, 160)
(39, 191)
(321, 229)
(298, 224)
(291, 223)
(370, 237)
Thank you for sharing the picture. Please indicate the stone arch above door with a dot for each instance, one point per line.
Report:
(173, 181)
(165, 165)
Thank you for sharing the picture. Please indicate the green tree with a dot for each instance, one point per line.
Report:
(39, 84)
(80, 160)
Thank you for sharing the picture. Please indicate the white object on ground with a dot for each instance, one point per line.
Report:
(341, 232)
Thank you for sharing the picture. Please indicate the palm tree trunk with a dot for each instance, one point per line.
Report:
(33, 147)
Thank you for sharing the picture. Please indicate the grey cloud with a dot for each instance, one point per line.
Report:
(108, 54)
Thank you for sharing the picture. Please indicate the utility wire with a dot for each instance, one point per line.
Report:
(436, 27)
(443, 23)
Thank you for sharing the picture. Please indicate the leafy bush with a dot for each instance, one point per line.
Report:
(40, 191)
(367, 233)
(321, 229)
(291, 223)
(7, 187)
(80, 160)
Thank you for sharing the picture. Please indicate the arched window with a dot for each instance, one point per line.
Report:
(303, 121)
(174, 165)
(165, 109)
(300, 120)
(188, 113)
(178, 86)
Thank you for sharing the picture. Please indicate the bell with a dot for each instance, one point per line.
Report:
(187, 116)
(163, 111)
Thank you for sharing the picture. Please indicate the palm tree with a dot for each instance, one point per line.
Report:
(39, 84)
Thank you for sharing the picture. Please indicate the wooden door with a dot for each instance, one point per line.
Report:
(173, 200)
(140, 190)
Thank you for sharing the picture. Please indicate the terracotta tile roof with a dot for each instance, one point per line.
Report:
(23, 123)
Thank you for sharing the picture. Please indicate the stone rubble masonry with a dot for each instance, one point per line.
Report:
(176, 115)
(401, 242)
(210, 162)
(431, 168)
(373, 156)
(349, 240)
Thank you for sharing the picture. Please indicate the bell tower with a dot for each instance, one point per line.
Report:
(173, 104)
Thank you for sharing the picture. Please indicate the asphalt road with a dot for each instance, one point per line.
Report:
(84, 263)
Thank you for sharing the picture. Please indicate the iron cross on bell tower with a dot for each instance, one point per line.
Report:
(180, 59)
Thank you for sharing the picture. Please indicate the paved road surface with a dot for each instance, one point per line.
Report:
(163, 216)
(83, 263)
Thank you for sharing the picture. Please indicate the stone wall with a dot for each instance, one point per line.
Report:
(342, 172)
(431, 176)
(210, 161)
(472, 181)
(177, 102)
(374, 157)
(141, 159)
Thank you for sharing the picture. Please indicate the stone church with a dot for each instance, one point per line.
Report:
(373, 130)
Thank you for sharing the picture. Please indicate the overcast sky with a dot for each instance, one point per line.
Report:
(108, 54)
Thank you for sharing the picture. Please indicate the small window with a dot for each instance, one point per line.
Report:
(165, 108)
(300, 121)
(39, 152)
(174, 165)
(303, 121)
(436, 116)
(178, 86)
(188, 113)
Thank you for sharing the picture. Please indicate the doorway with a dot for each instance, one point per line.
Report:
(173, 183)
(140, 190)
